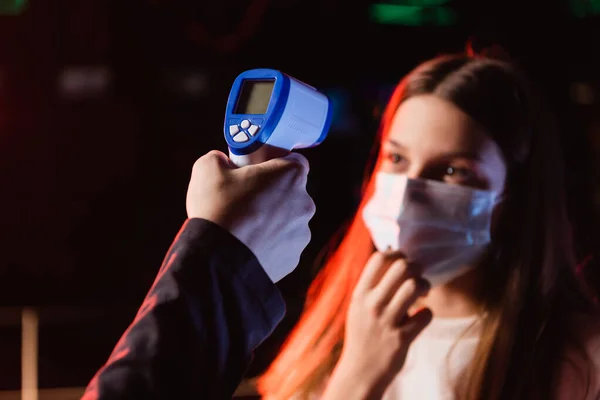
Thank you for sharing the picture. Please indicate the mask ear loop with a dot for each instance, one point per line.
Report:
(499, 198)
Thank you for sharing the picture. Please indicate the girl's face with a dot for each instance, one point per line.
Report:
(430, 138)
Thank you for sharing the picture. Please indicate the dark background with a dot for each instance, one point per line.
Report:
(105, 105)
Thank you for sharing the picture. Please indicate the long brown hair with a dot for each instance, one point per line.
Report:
(529, 286)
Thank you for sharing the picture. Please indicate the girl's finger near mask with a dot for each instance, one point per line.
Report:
(406, 295)
(374, 270)
(393, 278)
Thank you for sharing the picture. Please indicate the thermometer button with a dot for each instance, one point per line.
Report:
(253, 129)
(241, 137)
(245, 124)
(233, 129)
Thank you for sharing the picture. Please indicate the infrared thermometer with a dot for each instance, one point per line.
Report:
(270, 114)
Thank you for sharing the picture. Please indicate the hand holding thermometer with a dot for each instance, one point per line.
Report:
(270, 113)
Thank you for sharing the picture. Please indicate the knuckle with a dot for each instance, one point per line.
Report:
(297, 171)
(306, 236)
(300, 161)
(207, 161)
(394, 256)
(311, 207)
(373, 303)
(301, 203)
(411, 285)
(401, 265)
(377, 258)
(212, 155)
(371, 308)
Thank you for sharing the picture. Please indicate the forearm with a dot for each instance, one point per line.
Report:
(210, 306)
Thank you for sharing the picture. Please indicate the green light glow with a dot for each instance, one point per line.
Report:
(585, 8)
(413, 15)
(420, 3)
(12, 7)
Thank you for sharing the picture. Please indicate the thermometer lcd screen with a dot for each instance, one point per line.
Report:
(254, 96)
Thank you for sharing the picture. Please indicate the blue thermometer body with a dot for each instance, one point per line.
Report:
(270, 113)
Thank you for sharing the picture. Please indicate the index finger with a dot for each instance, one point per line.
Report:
(295, 159)
(279, 166)
(374, 270)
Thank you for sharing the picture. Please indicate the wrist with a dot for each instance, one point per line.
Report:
(351, 382)
(217, 217)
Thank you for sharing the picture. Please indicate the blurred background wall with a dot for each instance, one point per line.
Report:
(105, 105)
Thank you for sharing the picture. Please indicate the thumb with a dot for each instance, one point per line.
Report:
(219, 158)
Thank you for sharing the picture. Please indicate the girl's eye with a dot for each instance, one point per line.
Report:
(459, 173)
(395, 158)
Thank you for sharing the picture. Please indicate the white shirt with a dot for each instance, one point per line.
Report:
(442, 351)
(428, 372)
